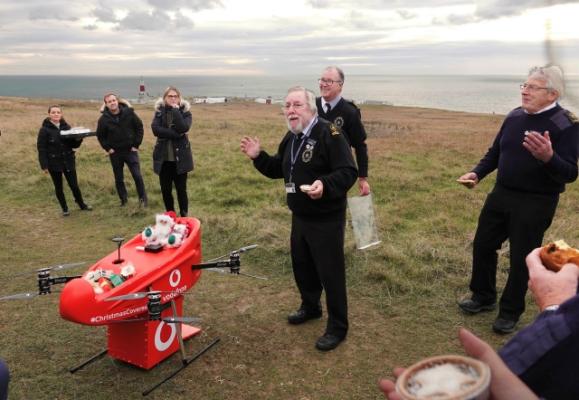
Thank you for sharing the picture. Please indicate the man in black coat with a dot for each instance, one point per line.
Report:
(347, 117)
(120, 133)
(316, 164)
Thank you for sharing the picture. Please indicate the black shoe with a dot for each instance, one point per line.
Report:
(85, 207)
(300, 316)
(183, 213)
(65, 213)
(123, 202)
(471, 306)
(504, 326)
(328, 342)
(143, 203)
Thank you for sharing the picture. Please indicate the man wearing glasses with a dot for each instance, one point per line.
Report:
(346, 116)
(120, 133)
(535, 155)
(316, 163)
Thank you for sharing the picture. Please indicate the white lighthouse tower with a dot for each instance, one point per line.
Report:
(142, 91)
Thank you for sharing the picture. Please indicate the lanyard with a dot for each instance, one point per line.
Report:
(293, 158)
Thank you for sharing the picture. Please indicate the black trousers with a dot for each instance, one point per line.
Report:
(521, 217)
(169, 176)
(317, 250)
(72, 180)
(118, 161)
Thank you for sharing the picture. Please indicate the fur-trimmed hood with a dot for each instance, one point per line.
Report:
(183, 106)
(121, 103)
(63, 125)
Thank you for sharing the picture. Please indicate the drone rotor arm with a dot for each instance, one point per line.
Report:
(19, 296)
(184, 320)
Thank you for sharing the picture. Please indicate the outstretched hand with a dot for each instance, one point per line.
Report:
(470, 180)
(250, 146)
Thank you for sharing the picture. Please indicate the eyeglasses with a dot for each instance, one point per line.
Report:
(531, 88)
(173, 96)
(296, 106)
(327, 81)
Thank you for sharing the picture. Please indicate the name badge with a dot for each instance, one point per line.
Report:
(290, 187)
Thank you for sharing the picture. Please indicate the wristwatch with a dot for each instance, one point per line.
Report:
(553, 307)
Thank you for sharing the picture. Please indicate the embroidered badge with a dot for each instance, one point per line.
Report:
(308, 154)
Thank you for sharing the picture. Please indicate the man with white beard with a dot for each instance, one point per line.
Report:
(316, 163)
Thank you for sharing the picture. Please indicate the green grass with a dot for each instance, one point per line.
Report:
(402, 293)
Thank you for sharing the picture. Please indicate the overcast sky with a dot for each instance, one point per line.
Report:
(271, 37)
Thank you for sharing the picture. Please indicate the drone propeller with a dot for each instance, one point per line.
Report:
(246, 248)
(142, 295)
(167, 320)
(223, 271)
(154, 308)
(19, 296)
(45, 281)
(184, 320)
(54, 268)
(240, 250)
(232, 265)
(132, 296)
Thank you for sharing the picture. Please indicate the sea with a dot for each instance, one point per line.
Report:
(471, 93)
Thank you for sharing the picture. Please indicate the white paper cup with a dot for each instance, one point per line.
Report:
(448, 377)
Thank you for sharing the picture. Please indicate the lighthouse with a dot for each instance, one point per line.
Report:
(141, 91)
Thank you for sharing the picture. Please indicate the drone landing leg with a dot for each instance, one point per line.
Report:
(90, 360)
(186, 362)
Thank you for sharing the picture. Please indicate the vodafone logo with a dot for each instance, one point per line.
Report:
(175, 278)
(159, 343)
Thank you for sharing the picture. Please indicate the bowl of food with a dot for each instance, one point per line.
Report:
(447, 377)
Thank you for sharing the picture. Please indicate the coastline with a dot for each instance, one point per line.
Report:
(486, 94)
(214, 101)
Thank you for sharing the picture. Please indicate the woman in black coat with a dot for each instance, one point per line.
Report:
(56, 157)
(172, 157)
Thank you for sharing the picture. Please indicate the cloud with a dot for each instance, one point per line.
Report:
(111, 37)
(507, 8)
(360, 21)
(104, 14)
(319, 3)
(496, 9)
(194, 5)
(182, 22)
(145, 21)
(51, 13)
(152, 15)
(405, 14)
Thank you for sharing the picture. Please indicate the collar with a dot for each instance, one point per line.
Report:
(549, 107)
(308, 128)
(332, 103)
